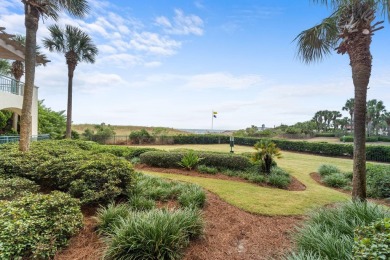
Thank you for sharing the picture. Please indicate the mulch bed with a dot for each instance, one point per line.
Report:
(295, 184)
(230, 233)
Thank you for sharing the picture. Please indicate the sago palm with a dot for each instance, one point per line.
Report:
(5, 67)
(33, 11)
(265, 153)
(348, 30)
(77, 47)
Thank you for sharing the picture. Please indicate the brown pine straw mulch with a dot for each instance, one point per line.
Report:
(230, 232)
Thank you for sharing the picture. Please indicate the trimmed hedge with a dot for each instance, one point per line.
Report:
(374, 153)
(171, 159)
(325, 135)
(37, 225)
(74, 167)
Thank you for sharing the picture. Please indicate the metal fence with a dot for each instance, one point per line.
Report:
(15, 138)
(11, 85)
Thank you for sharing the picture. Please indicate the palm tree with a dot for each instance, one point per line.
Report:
(348, 29)
(265, 153)
(375, 110)
(33, 10)
(77, 47)
(350, 108)
(386, 118)
(5, 67)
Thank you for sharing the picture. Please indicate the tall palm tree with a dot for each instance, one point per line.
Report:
(33, 10)
(350, 108)
(348, 29)
(77, 47)
(386, 118)
(375, 111)
(335, 116)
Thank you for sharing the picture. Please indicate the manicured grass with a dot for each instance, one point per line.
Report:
(269, 201)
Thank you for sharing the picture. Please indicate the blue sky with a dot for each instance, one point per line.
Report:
(171, 62)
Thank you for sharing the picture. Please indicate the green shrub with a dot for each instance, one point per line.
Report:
(256, 178)
(122, 151)
(140, 137)
(336, 180)
(329, 232)
(346, 138)
(205, 169)
(36, 226)
(279, 181)
(373, 241)
(171, 159)
(16, 187)
(190, 160)
(378, 181)
(327, 169)
(70, 166)
(324, 135)
(384, 138)
(164, 234)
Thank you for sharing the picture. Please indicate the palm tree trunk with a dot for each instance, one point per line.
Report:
(31, 23)
(70, 97)
(361, 61)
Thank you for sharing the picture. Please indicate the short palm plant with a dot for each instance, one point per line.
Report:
(77, 47)
(265, 153)
(190, 160)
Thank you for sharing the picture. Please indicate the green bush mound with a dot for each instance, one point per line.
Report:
(156, 234)
(336, 180)
(206, 169)
(378, 181)
(36, 226)
(328, 169)
(75, 167)
(329, 232)
(171, 159)
(13, 188)
(373, 241)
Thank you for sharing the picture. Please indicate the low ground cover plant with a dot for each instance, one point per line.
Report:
(377, 176)
(138, 230)
(329, 232)
(373, 241)
(35, 226)
(13, 188)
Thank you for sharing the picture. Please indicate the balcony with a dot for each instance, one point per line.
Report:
(10, 85)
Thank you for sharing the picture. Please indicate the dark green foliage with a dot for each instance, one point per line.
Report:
(336, 180)
(373, 241)
(51, 122)
(140, 203)
(325, 135)
(279, 178)
(192, 197)
(122, 151)
(5, 117)
(36, 226)
(205, 169)
(378, 181)
(140, 137)
(164, 234)
(200, 139)
(70, 166)
(108, 217)
(347, 139)
(384, 138)
(328, 233)
(327, 169)
(171, 159)
(16, 187)
(369, 139)
(103, 133)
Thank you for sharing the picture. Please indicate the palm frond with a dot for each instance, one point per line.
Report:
(317, 42)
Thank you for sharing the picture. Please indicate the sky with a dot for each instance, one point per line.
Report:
(170, 63)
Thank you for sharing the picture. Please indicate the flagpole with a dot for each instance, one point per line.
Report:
(212, 119)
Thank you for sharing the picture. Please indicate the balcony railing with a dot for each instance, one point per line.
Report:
(11, 85)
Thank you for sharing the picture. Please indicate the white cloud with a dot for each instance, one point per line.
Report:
(153, 64)
(182, 24)
(223, 80)
(154, 43)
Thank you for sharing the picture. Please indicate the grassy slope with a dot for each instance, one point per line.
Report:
(125, 130)
(268, 201)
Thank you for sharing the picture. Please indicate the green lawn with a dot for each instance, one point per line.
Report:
(269, 201)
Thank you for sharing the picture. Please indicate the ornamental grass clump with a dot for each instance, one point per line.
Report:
(190, 160)
(327, 169)
(329, 232)
(157, 234)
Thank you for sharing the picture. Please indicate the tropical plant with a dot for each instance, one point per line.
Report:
(350, 108)
(190, 160)
(34, 9)
(265, 153)
(348, 29)
(77, 47)
(375, 111)
(5, 67)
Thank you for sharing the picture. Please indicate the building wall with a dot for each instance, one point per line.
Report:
(14, 103)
